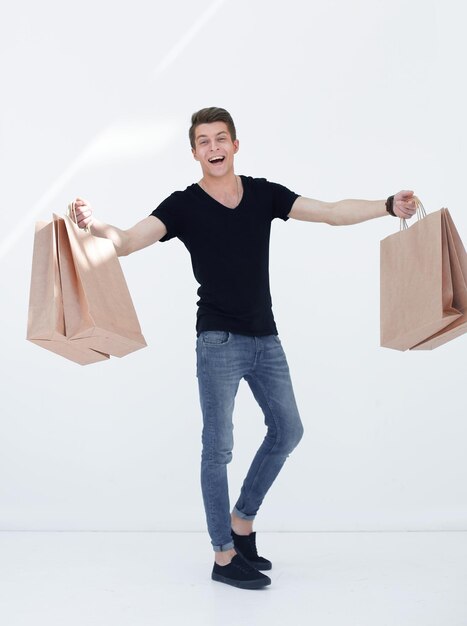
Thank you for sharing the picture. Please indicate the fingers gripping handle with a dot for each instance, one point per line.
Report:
(71, 213)
(421, 213)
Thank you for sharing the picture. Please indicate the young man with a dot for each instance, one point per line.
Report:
(224, 221)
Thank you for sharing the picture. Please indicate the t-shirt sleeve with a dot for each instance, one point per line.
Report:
(282, 201)
(168, 212)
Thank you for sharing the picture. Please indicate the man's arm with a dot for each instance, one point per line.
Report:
(346, 212)
(143, 234)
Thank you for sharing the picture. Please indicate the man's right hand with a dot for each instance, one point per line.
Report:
(83, 212)
(144, 233)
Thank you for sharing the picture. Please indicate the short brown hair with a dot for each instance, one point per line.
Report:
(209, 115)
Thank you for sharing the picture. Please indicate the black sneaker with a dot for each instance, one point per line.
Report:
(239, 573)
(245, 545)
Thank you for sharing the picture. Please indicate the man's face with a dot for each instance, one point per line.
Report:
(214, 148)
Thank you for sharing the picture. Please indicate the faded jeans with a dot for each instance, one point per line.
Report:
(223, 359)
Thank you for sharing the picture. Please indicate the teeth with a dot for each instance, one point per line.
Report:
(213, 159)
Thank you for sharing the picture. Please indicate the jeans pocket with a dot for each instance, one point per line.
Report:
(276, 339)
(215, 337)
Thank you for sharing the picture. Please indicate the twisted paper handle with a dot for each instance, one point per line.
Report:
(71, 213)
(421, 213)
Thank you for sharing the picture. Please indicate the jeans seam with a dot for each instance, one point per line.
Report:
(210, 429)
(278, 437)
(211, 434)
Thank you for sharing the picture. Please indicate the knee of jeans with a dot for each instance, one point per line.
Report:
(218, 454)
(292, 437)
(218, 457)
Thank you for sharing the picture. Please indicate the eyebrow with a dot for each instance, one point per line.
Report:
(222, 132)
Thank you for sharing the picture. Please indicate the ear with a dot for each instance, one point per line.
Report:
(193, 152)
(236, 144)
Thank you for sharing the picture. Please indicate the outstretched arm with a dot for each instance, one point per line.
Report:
(346, 212)
(144, 233)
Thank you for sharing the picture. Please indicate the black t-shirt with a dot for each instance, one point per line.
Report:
(229, 251)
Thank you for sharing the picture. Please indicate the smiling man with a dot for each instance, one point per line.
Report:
(224, 220)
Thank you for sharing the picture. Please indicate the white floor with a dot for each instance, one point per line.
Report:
(322, 579)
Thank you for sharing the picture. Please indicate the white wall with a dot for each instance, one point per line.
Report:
(334, 99)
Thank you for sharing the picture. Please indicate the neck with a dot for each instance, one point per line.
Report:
(220, 183)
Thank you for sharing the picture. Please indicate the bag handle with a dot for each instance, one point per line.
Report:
(421, 213)
(71, 213)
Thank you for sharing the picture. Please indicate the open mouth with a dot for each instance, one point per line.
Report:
(216, 160)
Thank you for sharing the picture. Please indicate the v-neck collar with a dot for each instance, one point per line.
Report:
(227, 208)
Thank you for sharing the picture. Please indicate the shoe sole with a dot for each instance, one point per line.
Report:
(242, 584)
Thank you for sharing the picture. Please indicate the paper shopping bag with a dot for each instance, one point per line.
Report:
(458, 270)
(98, 308)
(416, 284)
(46, 324)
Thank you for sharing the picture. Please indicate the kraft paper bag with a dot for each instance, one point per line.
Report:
(458, 268)
(98, 308)
(417, 289)
(46, 323)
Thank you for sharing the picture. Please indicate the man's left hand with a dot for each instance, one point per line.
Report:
(404, 204)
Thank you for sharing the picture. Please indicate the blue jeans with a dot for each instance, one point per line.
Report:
(223, 359)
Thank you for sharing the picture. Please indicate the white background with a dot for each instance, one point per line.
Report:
(333, 99)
